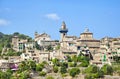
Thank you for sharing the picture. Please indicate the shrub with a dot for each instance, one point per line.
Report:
(64, 64)
(42, 73)
(72, 64)
(84, 63)
(55, 69)
(74, 71)
(56, 62)
(63, 70)
(88, 76)
(50, 77)
(69, 59)
(94, 72)
(39, 67)
(107, 69)
(74, 58)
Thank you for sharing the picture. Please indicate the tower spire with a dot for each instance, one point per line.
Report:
(63, 30)
(63, 25)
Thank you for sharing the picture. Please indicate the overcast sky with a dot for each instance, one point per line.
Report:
(102, 17)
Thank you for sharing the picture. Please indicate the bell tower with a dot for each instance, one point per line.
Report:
(63, 31)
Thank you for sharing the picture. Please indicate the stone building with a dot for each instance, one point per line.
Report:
(109, 44)
(86, 39)
(18, 44)
(41, 38)
(15, 41)
(72, 45)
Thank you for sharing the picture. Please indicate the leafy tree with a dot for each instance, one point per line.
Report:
(93, 72)
(64, 64)
(74, 58)
(100, 74)
(79, 58)
(42, 73)
(116, 58)
(24, 75)
(92, 69)
(8, 45)
(107, 69)
(69, 59)
(1, 34)
(29, 39)
(19, 53)
(23, 66)
(74, 71)
(37, 46)
(84, 63)
(55, 69)
(63, 70)
(116, 68)
(39, 67)
(56, 62)
(32, 65)
(5, 75)
(1, 49)
(44, 62)
(11, 52)
(16, 33)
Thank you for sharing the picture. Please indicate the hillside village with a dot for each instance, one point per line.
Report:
(71, 57)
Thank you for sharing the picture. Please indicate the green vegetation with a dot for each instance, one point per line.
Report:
(74, 71)
(50, 77)
(37, 46)
(56, 62)
(116, 68)
(64, 64)
(107, 69)
(42, 73)
(116, 59)
(49, 48)
(58, 47)
(69, 59)
(67, 66)
(74, 58)
(91, 72)
(12, 52)
(63, 70)
(55, 69)
(84, 63)
(95, 72)
(39, 67)
(72, 64)
(5, 42)
(6, 75)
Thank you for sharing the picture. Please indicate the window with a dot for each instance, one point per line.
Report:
(70, 44)
(43, 38)
(78, 48)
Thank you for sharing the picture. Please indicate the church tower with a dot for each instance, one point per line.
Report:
(35, 34)
(63, 31)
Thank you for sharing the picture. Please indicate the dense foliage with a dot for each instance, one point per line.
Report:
(74, 71)
(116, 58)
(55, 69)
(5, 40)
